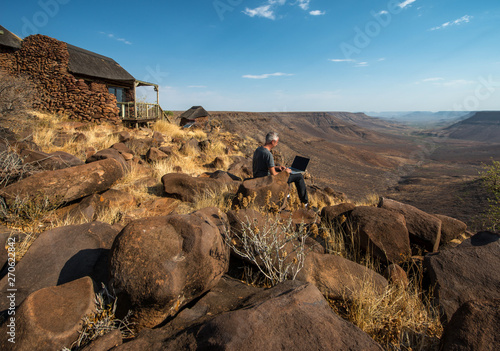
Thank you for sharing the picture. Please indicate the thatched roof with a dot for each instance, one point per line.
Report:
(9, 39)
(194, 112)
(90, 64)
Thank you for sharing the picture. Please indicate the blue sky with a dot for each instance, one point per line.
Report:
(288, 55)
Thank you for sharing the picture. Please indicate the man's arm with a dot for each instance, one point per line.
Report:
(277, 169)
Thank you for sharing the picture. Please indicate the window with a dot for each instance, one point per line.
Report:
(118, 92)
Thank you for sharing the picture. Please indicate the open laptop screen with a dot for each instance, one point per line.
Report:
(299, 164)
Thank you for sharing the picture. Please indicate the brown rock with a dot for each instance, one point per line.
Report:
(118, 198)
(62, 255)
(105, 342)
(155, 155)
(424, 229)
(265, 191)
(161, 263)
(122, 148)
(330, 214)
(300, 317)
(396, 275)
(50, 318)
(474, 326)
(50, 162)
(451, 228)
(466, 272)
(339, 278)
(382, 232)
(190, 189)
(110, 153)
(124, 136)
(64, 185)
(159, 207)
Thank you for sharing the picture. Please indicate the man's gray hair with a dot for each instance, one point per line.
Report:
(271, 136)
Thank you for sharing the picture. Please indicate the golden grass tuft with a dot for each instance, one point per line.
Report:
(168, 129)
(398, 319)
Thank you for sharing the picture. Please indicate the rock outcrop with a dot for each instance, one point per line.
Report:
(49, 318)
(159, 264)
(466, 272)
(60, 256)
(382, 232)
(300, 317)
(63, 185)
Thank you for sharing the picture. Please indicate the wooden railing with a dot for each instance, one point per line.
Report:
(141, 111)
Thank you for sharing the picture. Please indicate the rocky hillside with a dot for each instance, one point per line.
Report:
(154, 239)
(483, 126)
(355, 153)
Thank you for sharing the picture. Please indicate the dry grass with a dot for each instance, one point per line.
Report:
(168, 129)
(398, 319)
(102, 321)
(369, 200)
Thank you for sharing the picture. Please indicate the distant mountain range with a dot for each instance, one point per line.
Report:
(482, 126)
(423, 119)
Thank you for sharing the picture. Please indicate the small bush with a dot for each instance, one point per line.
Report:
(277, 249)
(17, 95)
(102, 321)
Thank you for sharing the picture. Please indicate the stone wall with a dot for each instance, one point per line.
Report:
(45, 61)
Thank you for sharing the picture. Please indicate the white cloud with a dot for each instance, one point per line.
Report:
(406, 3)
(268, 9)
(341, 60)
(112, 36)
(461, 20)
(317, 13)
(383, 12)
(357, 64)
(262, 11)
(458, 83)
(267, 75)
(304, 4)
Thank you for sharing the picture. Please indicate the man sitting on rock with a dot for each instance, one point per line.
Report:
(263, 165)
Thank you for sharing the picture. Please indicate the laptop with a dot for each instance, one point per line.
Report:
(299, 164)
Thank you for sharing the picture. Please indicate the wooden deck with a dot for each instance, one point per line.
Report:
(141, 113)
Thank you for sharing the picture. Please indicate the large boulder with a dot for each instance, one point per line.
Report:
(155, 155)
(466, 272)
(62, 255)
(381, 232)
(424, 228)
(50, 318)
(330, 214)
(110, 153)
(64, 185)
(159, 264)
(191, 189)
(270, 192)
(474, 326)
(451, 229)
(50, 162)
(291, 316)
(338, 278)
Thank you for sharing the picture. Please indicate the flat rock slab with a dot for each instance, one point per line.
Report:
(291, 316)
(467, 272)
(64, 185)
(62, 255)
(49, 319)
(474, 326)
